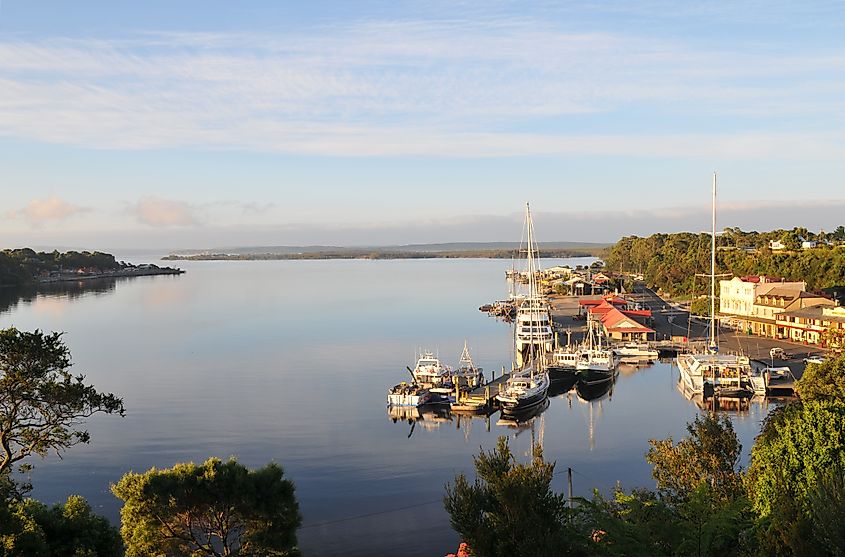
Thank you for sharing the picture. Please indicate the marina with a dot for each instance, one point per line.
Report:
(243, 378)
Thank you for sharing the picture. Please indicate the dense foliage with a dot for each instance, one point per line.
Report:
(41, 403)
(214, 509)
(18, 266)
(510, 509)
(823, 381)
(671, 261)
(31, 529)
(709, 456)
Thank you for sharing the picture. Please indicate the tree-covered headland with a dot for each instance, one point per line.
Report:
(670, 262)
(19, 266)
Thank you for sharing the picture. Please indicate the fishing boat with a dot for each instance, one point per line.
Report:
(467, 375)
(408, 394)
(430, 371)
(595, 362)
(708, 372)
(528, 385)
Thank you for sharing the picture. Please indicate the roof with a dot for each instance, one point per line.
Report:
(615, 300)
(813, 312)
(615, 320)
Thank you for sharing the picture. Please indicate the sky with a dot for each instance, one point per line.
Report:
(195, 124)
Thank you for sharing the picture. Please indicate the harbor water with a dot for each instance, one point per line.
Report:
(290, 361)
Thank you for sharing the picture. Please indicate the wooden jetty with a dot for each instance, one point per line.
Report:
(480, 399)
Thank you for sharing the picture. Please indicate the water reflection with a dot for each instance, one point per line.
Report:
(757, 405)
(10, 297)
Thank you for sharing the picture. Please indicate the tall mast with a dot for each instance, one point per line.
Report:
(713, 344)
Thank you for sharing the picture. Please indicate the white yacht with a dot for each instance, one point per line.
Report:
(633, 351)
(429, 370)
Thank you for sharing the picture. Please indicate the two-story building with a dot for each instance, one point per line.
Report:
(808, 325)
(738, 296)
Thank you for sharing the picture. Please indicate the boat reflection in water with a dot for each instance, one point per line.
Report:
(562, 386)
(523, 420)
(432, 416)
(756, 406)
(595, 390)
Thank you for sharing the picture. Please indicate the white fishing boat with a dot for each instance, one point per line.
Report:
(595, 362)
(430, 371)
(710, 372)
(408, 394)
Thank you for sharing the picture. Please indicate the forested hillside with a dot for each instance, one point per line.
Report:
(671, 261)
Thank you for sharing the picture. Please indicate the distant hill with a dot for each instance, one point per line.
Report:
(484, 249)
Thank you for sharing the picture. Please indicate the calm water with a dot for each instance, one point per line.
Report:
(289, 361)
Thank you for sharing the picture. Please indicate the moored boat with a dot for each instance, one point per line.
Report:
(408, 394)
(430, 371)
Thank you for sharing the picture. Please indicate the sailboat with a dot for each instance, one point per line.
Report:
(709, 372)
(528, 385)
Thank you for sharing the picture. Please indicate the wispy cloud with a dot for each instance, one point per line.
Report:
(156, 211)
(412, 88)
(53, 208)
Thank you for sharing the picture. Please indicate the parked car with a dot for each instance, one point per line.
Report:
(777, 352)
(814, 360)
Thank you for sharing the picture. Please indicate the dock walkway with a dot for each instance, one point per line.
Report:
(480, 398)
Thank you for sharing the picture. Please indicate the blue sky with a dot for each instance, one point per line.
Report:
(198, 124)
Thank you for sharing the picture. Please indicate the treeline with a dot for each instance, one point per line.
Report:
(790, 500)
(19, 266)
(368, 254)
(671, 261)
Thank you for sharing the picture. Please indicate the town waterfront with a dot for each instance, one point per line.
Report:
(290, 361)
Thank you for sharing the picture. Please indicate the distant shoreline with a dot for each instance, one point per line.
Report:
(372, 254)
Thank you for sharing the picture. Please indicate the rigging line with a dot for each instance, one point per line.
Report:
(367, 515)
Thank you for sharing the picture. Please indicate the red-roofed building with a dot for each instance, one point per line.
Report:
(619, 326)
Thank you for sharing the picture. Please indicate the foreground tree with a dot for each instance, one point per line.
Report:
(824, 381)
(511, 509)
(31, 529)
(709, 454)
(41, 404)
(214, 509)
(800, 446)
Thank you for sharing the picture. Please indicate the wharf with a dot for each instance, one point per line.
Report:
(481, 398)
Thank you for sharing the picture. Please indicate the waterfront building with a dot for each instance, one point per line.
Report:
(808, 325)
(750, 303)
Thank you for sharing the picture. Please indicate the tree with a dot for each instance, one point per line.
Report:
(800, 445)
(214, 509)
(31, 529)
(824, 381)
(709, 455)
(511, 509)
(41, 403)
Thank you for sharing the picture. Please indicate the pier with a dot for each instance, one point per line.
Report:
(482, 398)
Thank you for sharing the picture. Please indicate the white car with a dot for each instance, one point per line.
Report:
(814, 360)
(777, 352)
